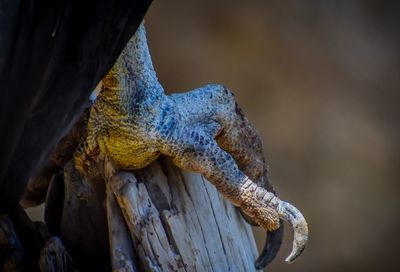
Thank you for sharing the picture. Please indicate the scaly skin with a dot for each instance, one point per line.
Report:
(132, 122)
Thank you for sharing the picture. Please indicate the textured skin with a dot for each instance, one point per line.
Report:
(133, 122)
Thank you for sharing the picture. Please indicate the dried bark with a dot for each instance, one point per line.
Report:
(179, 222)
(83, 222)
(160, 218)
(123, 255)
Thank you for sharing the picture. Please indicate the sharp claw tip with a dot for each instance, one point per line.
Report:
(289, 260)
(293, 256)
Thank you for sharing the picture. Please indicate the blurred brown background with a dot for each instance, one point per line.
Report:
(320, 81)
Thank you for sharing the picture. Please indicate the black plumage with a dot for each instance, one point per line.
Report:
(52, 55)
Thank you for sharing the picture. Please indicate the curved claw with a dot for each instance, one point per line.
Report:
(268, 210)
(291, 214)
(271, 247)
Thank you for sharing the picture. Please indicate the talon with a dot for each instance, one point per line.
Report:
(267, 209)
(291, 214)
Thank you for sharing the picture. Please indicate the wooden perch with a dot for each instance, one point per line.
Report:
(123, 255)
(160, 218)
(179, 222)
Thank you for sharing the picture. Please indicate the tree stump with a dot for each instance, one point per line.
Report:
(171, 220)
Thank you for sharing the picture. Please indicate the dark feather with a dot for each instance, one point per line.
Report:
(52, 55)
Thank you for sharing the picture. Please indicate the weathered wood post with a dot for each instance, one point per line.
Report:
(171, 220)
(181, 223)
